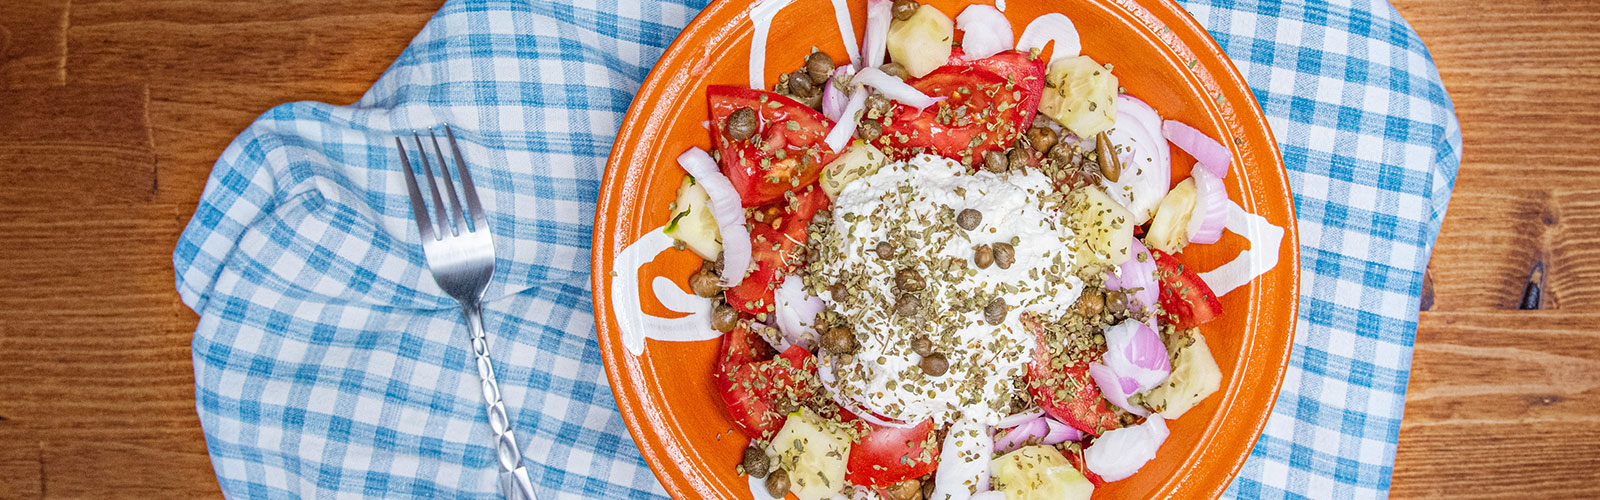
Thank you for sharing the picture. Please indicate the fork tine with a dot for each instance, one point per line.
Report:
(419, 210)
(478, 219)
(444, 171)
(433, 186)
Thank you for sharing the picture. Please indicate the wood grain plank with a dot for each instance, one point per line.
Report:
(76, 145)
(1507, 401)
(33, 44)
(21, 463)
(213, 67)
(157, 467)
(1494, 234)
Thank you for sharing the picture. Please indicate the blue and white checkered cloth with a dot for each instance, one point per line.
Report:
(328, 365)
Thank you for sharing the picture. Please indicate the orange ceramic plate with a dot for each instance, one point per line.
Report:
(1161, 55)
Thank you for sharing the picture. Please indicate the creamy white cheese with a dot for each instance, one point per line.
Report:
(912, 205)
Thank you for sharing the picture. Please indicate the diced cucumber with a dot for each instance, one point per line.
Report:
(1039, 473)
(692, 222)
(1195, 376)
(1079, 93)
(922, 43)
(1169, 229)
(859, 160)
(814, 451)
(1104, 228)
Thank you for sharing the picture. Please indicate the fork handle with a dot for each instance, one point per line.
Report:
(514, 483)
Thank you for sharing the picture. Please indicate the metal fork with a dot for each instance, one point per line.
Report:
(461, 258)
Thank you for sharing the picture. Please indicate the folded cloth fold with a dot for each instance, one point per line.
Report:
(328, 363)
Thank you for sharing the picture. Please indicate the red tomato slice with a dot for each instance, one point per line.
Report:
(1068, 393)
(756, 393)
(774, 243)
(983, 111)
(1076, 457)
(1186, 299)
(1017, 66)
(888, 455)
(786, 153)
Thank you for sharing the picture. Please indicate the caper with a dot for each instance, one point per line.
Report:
(969, 219)
(995, 312)
(724, 317)
(909, 280)
(927, 488)
(705, 282)
(800, 84)
(778, 483)
(1042, 138)
(885, 250)
(896, 70)
(869, 130)
(1090, 303)
(838, 290)
(983, 255)
(934, 364)
(922, 346)
(1109, 166)
(1004, 255)
(741, 124)
(910, 489)
(755, 462)
(994, 161)
(907, 305)
(903, 9)
(839, 340)
(819, 67)
(813, 101)
(1116, 303)
(1018, 158)
(877, 105)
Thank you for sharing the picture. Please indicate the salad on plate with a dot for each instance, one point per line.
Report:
(944, 267)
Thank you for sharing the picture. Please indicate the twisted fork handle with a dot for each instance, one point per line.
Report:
(514, 482)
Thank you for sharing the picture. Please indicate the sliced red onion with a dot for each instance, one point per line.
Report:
(1205, 226)
(988, 495)
(796, 310)
(1116, 388)
(1210, 154)
(964, 460)
(1137, 274)
(1051, 27)
(726, 209)
(894, 88)
(833, 98)
(1014, 420)
(1134, 350)
(876, 43)
(1146, 159)
(987, 32)
(1119, 453)
(1059, 432)
(1030, 432)
(849, 119)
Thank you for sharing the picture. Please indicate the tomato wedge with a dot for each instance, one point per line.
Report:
(786, 151)
(888, 455)
(1187, 300)
(774, 242)
(1017, 66)
(1068, 393)
(983, 111)
(1075, 456)
(759, 394)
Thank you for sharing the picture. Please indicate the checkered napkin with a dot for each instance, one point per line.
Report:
(327, 363)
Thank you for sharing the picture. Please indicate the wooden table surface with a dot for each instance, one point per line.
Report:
(113, 111)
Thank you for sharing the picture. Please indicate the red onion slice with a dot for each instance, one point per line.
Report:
(1147, 117)
(1210, 154)
(796, 311)
(1116, 388)
(1146, 159)
(849, 119)
(1017, 419)
(1030, 432)
(1053, 27)
(894, 88)
(726, 209)
(987, 32)
(1206, 225)
(1119, 453)
(1059, 432)
(875, 45)
(833, 98)
(1138, 274)
(1134, 350)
